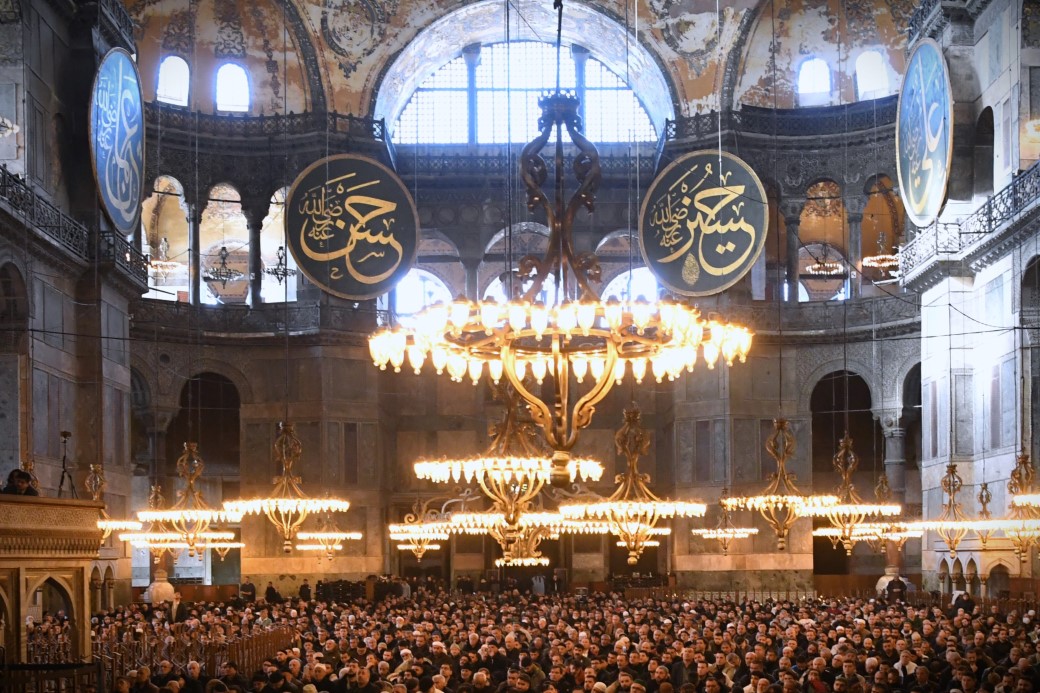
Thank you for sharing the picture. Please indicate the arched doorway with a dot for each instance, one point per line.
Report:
(840, 403)
(984, 132)
(999, 583)
(50, 628)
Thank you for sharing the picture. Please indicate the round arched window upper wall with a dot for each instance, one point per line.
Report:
(510, 78)
(871, 76)
(232, 89)
(814, 82)
(174, 81)
(481, 22)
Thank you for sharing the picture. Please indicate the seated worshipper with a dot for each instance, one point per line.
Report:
(19, 483)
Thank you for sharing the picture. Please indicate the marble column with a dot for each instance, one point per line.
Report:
(854, 207)
(255, 211)
(791, 210)
(194, 255)
(793, 244)
(895, 470)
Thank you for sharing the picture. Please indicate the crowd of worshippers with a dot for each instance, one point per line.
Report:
(439, 642)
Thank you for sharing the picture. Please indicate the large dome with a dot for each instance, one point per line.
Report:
(307, 55)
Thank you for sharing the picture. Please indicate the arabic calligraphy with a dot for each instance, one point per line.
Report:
(117, 139)
(924, 135)
(352, 226)
(703, 223)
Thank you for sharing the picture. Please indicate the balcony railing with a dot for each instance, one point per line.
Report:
(115, 249)
(955, 237)
(226, 125)
(268, 319)
(116, 15)
(27, 204)
(816, 318)
(795, 122)
(920, 19)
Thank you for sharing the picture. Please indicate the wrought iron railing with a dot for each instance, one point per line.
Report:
(796, 122)
(763, 316)
(228, 125)
(920, 18)
(119, 656)
(26, 203)
(446, 163)
(40, 678)
(120, 19)
(117, 250)
(45, 646)
(267, 319)
(952, 238)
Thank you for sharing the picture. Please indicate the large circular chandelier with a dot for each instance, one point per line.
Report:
(514, 468)
(781, 503)
(597, 343)
(287, 507)
(327, 540)
(190, 520)
(851, 511)
(725, 532)
(633, 512)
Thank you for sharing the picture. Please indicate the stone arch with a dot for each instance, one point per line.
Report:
(971, 576)
(96, 590)
(14, 309)
(983, 152)
(813, 378)
(831, 420)
(218, 433)
(998, 582)
(957, 576)
(7, 625)
(210, 365)
(1029, 296)
(108, 589)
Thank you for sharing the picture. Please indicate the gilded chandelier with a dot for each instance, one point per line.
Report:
(851, 511)
(327, 540)
(287, 507)
(190, 523)
(633, 512)
(781, 503)
(425, 525)
(725, 532)
(514, 468)
(596, 342)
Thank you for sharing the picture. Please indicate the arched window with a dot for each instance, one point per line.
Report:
(417, 290)
(508, 79)
(644, 286)
(232, 88)
(814, 80)
(871, 76)
(174, 78)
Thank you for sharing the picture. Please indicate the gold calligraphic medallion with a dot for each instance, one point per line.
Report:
(924, 133)
(117, 139)
(352, 226)
(703, 223)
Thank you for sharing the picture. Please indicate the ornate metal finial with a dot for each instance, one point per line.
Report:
(984, 498)
(95, 482)
(882, 491)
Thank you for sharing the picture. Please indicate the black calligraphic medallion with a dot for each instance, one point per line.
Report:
(924, 133)
(703, 223)
(117, 139)
(352, 226)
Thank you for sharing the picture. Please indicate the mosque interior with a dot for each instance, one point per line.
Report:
(909, 328)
